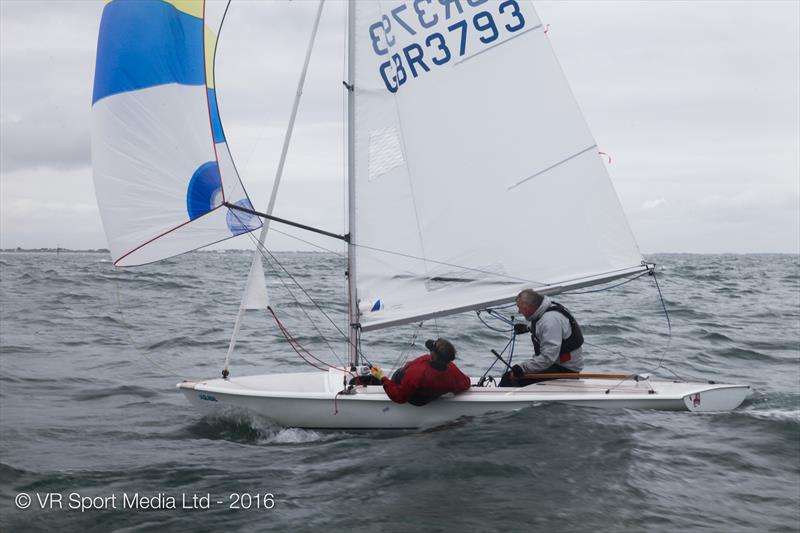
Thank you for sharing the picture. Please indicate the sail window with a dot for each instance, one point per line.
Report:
(385, 152)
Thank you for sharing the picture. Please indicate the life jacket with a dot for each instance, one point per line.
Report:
(571, 343)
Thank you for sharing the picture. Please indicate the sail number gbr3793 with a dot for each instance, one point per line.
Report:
(439, 31)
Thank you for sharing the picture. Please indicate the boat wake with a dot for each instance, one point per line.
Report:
(247, 428)
(781, 415)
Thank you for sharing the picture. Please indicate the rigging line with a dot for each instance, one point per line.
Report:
(308, 317)
(669, 338)
(340, 254)
(610, 287)
(501, 318)
(262, 248)
(478, 313)
(669, 324)
(295, 344)
(606, 349)
(401, 359)
(319, 308)
(219, 113)
(425, 260)
(138, 348)
(313, 323)
(499, 307)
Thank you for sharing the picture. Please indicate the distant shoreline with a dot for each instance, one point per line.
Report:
(239, 250)
(54, 250)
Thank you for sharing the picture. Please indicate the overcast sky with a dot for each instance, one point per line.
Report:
(697, 103)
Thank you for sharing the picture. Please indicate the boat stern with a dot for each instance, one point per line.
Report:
(725, 398)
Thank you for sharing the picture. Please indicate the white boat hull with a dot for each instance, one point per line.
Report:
(314, 400)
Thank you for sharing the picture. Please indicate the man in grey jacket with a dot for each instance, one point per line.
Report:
(556, 335)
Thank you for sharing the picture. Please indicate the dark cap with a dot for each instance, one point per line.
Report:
(442, 349)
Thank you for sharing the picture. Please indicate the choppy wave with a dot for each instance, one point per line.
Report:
(783, 415)
(245, 427)
(87, 405)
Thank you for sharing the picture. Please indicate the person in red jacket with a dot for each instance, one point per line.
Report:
(427, 377)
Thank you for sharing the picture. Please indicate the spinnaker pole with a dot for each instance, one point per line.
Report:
(276, 184)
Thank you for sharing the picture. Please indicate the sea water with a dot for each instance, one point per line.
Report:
(95, 437)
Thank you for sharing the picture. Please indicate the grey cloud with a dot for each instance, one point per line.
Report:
(46, 137)
(691, 99)
(46, 77)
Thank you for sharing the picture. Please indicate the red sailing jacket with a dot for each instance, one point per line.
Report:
(422, 381)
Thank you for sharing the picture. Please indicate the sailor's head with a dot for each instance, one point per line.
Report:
(528, 301)
(441, 349)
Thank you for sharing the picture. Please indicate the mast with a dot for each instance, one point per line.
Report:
(353, 314)
(274, 194)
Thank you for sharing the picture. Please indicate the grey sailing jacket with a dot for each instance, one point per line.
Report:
(551, 329)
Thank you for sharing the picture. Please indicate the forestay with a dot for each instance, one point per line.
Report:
(474, 164)
(162, 168)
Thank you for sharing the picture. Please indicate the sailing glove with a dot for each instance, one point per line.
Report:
(516, 370)
(377, 373)
(521, 329)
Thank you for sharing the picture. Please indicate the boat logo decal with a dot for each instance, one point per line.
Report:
(695, 399)
(207, 397)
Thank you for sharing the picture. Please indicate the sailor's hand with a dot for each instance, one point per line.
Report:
(377, 372)
(517, 371)
(521, 329)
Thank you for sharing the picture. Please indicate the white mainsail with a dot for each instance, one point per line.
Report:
(162, 169)
(472, 174)
(475, 172)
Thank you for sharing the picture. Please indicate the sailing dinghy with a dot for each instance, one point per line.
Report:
(461, 128)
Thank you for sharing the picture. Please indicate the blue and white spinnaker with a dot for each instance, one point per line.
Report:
(162, 168)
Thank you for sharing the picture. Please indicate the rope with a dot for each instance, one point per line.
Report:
(495, 315)
(315, 245)
(308, 317)
(606, 350)
(611, 286)
(401, 359)
(669, 337)
(666, 315)
(261, 249)
(139, 349)
(319, 308)
(297, 347)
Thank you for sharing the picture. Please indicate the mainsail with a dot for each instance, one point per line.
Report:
(476, 174)
(162, 168)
